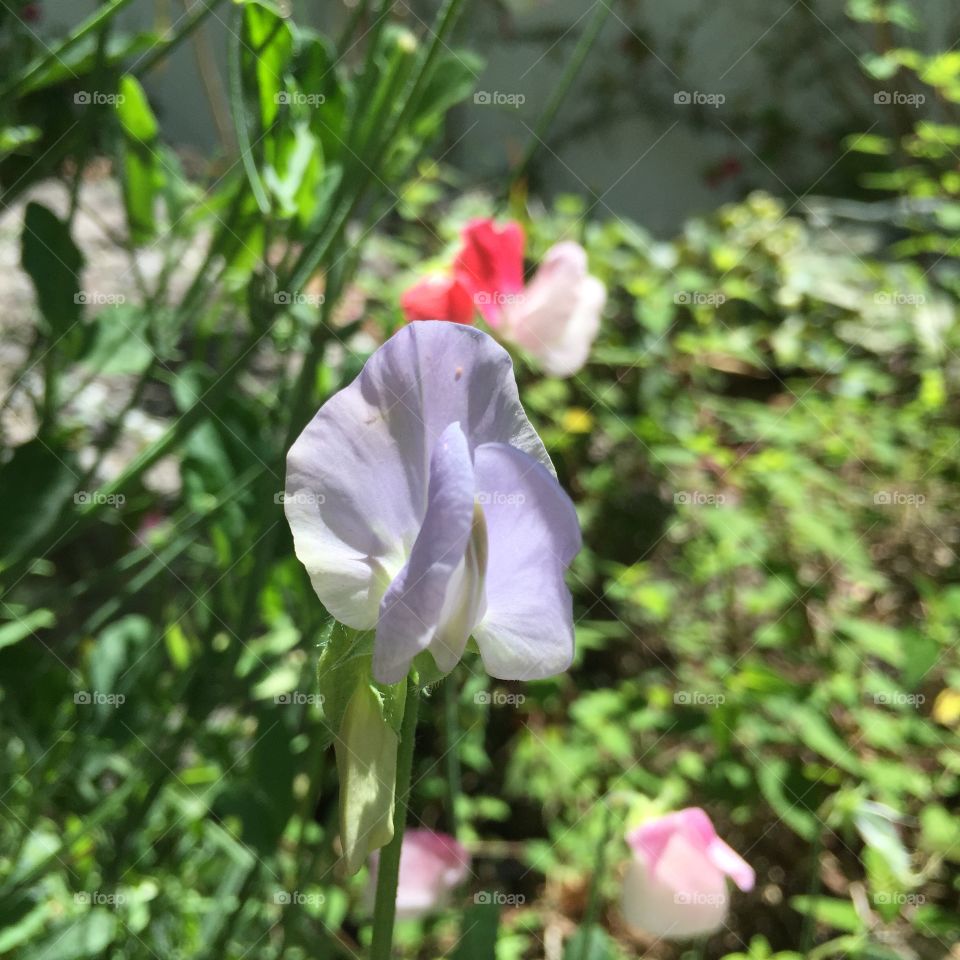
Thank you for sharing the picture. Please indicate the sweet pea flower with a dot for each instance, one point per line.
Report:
(490, 266)
(675, 886)
(424, 507)
(438, 298)
(432, 866)
(555, 318)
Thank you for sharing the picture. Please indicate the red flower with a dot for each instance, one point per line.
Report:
(438, 298)
(490, 265)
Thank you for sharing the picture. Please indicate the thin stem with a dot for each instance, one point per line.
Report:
(452, 725)
(388, 873)
(593, 898)
(587, 39)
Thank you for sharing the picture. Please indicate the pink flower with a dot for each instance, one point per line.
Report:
(432, 866)
(438, 298)
(490, 265)
(555, 318)
(675, 886)
(558, 315)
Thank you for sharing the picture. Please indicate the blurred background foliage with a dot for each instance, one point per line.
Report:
(763, 451)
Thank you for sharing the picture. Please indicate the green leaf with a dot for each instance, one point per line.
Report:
(11, 633)
(141, 173)
(589, 943)
(35, 485)
(478, 931)
(53, 261)
(838, 914)
(86, 936)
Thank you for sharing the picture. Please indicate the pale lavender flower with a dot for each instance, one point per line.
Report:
(424, 505)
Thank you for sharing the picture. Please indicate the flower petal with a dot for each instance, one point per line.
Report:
(683, 897)
(558, 316)
(438, 298)
(725, 858)
(357, 476)
(490, 265)
(533, 535)
(411, 609)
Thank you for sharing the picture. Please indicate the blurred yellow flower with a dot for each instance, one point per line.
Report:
(577, 420)
(946, 708)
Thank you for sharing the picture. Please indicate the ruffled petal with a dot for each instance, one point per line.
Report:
(357, 476)
(558, 316)
(410, 612)
(533, 535)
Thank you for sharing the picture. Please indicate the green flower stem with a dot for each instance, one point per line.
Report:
(385, 906)
(452, 726)
(538, 136)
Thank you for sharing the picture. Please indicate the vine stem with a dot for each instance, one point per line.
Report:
(388, 872)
